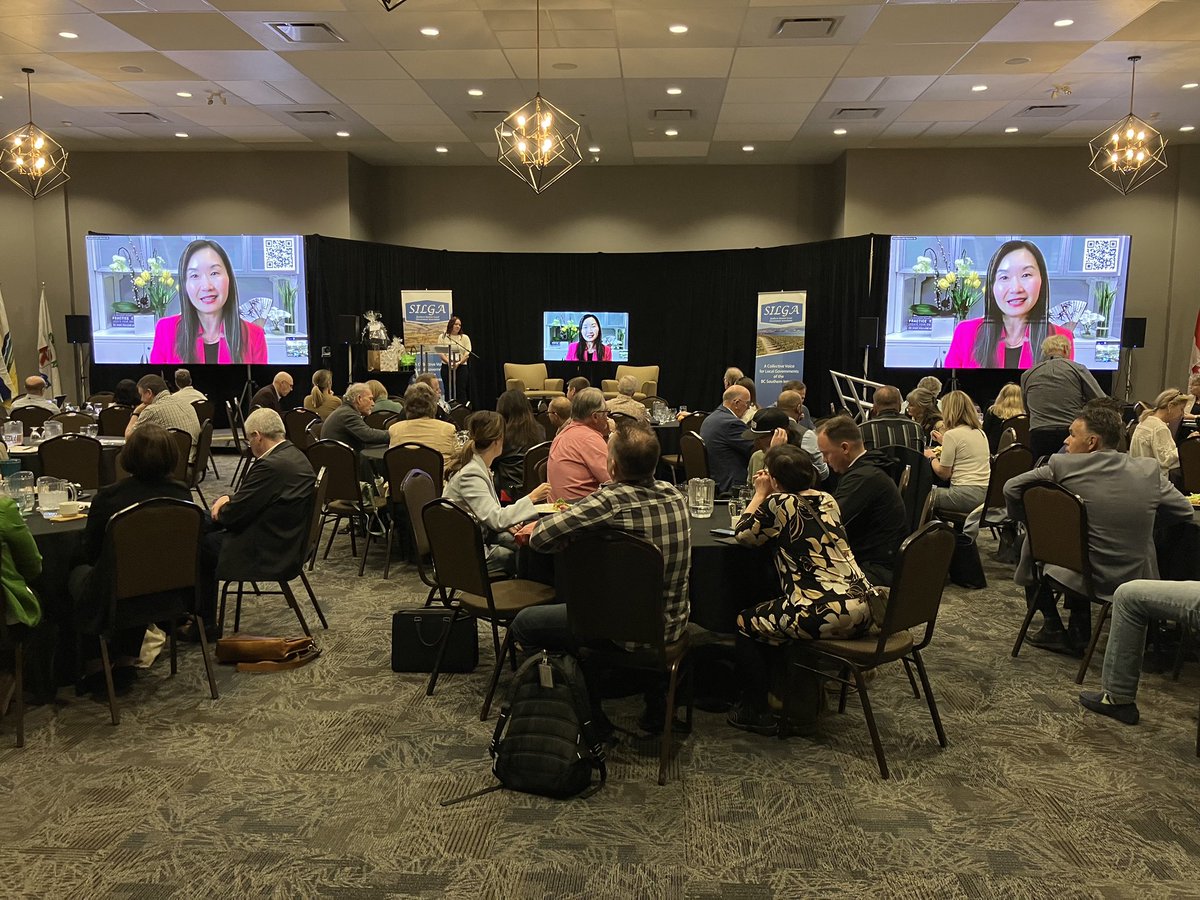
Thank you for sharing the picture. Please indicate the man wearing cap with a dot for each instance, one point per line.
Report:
(764, 424)
(870, 503)
(728, 447)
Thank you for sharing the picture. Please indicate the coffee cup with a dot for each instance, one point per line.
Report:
(69, 508)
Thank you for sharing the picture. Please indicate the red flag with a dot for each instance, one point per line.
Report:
(1196, 347)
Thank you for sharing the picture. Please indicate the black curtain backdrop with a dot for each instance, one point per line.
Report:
(690, 313)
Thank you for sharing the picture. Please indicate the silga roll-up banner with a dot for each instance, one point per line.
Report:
(425, 316)
(779, 349)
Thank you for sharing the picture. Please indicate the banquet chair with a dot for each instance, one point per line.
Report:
(538, 453)
(167, 531)
(296, 423)
(1189, 465)
(459, 415)
(72, 422)
(603, 618)
(689, 424)
(344, 495)
(237, 431)
(197, 470)
(1057, 531)
(922, 564)
(694, 454)
(1016, 460)
(456, 544)
(30, 416)
(534, 379)
(920, 482)
(294, 568)
(381, 419)
(114, 420)
(75, 457)
(647, 379)
(103, 397)
(1008, 437)
(204, 413)
(183, 443)
(398, 461)
(650, 400)
(1020, 426)
(543, 419)
(418, 490)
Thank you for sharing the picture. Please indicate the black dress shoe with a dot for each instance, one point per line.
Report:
(1101, 702)
(1056, 639)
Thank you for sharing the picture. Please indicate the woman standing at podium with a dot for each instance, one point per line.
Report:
(454, 363)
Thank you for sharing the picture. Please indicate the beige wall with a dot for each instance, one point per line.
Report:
(1050, 192)
(605, 209)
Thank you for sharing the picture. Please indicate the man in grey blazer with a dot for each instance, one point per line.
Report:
(1125, 499)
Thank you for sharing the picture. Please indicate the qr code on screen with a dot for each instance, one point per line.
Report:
(1100, 254)
(279, 254)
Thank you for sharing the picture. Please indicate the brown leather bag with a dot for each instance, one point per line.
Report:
(266, 654)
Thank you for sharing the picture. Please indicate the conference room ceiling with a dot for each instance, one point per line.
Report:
(898, 74)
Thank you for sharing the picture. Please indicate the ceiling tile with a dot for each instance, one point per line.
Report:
(234, 65)
(754, 131)
(42, 32)
(219, 114)
(1169, 20)
(902, 59)
(1031, 22)
(581, 38)
(267, 93)
(850, 89)
(648, 149)
(90, 93)
(407, 134)
(902, 87)
(153, 66)
(459, 31)
(754, 90)
(368, 91)
(397, 114)
(454, 63)
(788, 62)
(706, 28)
(184, 31)
(999, 87)
(588, 63)
(988, 59)
(950, 110)
(935, 23)
(669, 63)
(346, 64)
(263, 134)
(735, 113)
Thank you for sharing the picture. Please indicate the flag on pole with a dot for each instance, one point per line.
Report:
(47, 355)
(8, 376)
(1196, 347)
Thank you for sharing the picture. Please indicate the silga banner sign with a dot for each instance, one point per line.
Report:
(779, 350)
(425, 316)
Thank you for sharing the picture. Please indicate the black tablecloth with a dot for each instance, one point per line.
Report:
(1179, 550)
(51, 652)
(725, 576)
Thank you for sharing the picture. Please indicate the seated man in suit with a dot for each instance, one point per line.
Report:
(266, 522)
(346, 423)
(723, 432)
(872, 509)
(1125, 499)
(269, 397)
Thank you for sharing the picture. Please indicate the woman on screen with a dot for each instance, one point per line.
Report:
(1015, 314)
(589, 347)
(208, 328)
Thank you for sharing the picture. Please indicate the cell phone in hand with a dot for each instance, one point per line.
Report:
(722, 532)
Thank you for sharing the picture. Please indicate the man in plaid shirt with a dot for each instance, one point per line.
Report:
(633, 502)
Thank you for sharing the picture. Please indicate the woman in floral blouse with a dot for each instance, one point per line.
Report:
(825, 591)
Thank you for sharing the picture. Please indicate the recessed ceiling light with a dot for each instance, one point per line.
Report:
(1016, 61)
(1191, 85)
(839, 131)
(678, 29)
(593, 149)
(133, 70)
(183, 94)
(475, 92)
(1011, 129)
(674, 92)
(671, 132)
(69, 35)
(181, 134)
(67, 123)
(430, 32)
(442, 149)
(748, 148)
(564, 66)
(1063, 23)
(343, 134)
(1188, 128)
(978, 87)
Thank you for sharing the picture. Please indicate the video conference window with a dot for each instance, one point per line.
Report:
(196, 299)
(585, 336)
(988, 301)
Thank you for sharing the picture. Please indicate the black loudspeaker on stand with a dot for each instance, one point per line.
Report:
(79, 336)
(346, 332)
(1133, 336)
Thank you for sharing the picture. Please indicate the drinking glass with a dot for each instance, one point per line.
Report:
(51, 430)
(701, 493)
(90, 431)
(52, 493)
(14, 433)
(21, 487)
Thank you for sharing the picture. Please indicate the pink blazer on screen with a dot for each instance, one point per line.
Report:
(577, 348)
(959, 355)
(254, 345)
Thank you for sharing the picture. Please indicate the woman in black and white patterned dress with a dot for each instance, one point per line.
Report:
(825, 590)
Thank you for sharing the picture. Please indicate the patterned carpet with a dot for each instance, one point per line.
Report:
(325, 781)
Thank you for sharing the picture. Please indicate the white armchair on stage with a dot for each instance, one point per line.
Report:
(533, 379)
(647, 378)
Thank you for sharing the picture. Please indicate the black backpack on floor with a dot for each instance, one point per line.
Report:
(545, 742)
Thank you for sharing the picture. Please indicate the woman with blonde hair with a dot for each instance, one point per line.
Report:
(322, 400)
(1154, 436)
(1008, 404)
(471, 486)
(965, 460)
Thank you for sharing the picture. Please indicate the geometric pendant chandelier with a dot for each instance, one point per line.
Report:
(30, 158)
(539, 143)
(1131, 151)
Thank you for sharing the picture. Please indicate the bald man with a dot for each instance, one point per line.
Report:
(270, 396)
(723, 432)
(35, 389)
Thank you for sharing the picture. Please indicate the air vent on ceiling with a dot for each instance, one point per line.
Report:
(314, 115)
(672, 115)
(490, 115)
(857, 112)
(1047, 111)
(139, 117)
(306, 32)
(807, 27)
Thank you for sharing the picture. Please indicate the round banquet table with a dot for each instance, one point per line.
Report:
(725, 576)
(109, 450)
(1178, 550)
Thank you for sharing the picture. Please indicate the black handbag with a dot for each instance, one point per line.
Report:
(966, 568)
(417, 634)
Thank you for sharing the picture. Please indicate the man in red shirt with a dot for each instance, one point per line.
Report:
(578, 457)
